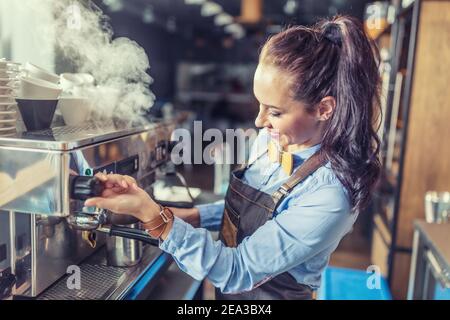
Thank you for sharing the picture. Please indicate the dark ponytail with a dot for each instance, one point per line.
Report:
(336, 58)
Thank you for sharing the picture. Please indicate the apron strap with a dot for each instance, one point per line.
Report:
(307, 168)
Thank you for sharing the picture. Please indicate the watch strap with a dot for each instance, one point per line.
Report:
(156, 226)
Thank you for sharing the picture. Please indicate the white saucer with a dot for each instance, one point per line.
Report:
(5, 121)
(8, 129)
(8, 115)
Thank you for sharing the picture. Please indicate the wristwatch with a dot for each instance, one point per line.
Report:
(156, 226)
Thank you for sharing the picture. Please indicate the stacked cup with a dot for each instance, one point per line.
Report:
(37, 97)
(9, 72)
(75, 103)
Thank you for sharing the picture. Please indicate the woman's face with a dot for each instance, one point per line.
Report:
(285, 118)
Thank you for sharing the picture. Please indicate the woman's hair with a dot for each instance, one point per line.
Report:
(336, 58)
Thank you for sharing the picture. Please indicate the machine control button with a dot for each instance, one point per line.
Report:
(85, 187)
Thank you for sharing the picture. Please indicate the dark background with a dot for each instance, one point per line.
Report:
(196, 38)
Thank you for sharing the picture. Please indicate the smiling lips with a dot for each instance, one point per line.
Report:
(274, 134)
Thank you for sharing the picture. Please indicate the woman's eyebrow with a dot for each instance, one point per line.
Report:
(268, 105)
(272, 107)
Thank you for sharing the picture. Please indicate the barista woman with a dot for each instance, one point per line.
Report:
(286, 211)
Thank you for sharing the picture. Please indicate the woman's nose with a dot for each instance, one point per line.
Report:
(261, 120)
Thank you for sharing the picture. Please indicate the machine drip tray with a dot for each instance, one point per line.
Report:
(102, 282)
(97, 281)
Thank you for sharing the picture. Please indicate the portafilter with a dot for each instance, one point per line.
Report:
(85, 187)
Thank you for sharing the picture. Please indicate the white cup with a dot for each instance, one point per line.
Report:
(8, 123)
(8, 115)
(68, 81)
(4, 73)
(5, 64)
(7, 99)
(32, 88)
(86, 78)
(6, 90)
(8, 75)
(88, 92)
(7, 82)
(437, 206)
(75, 110)
(38, 72)
(8, 106)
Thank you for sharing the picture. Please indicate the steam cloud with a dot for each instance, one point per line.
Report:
(85, 37)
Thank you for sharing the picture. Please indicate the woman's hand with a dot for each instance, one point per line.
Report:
(122, 195)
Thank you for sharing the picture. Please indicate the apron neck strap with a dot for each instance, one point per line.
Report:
(307, 168)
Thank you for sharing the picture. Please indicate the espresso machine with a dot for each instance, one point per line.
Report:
(46, 175)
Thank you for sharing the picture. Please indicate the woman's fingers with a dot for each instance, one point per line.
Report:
(119, 189)
(106, 194)
(92, 202)
(116, 180)
(101, 176)
(129, 179)
(111, 179)
(101, 202)
(109, 184)
(110, 193)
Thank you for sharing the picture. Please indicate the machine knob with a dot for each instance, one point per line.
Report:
(85, 187)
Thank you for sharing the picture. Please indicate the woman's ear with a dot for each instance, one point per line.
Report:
(326, 108)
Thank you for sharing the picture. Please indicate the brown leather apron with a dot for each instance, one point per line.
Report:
(247, 209)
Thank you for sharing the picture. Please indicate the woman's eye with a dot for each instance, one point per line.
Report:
(275, 114)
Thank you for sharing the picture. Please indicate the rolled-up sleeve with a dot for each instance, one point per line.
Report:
(296, 234)
(211, 215)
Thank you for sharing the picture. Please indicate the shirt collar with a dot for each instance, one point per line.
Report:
(298, 156)
(306, 153)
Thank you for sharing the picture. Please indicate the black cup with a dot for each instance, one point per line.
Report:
(37, 114)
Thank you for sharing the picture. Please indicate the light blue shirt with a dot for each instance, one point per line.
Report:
(306, 228)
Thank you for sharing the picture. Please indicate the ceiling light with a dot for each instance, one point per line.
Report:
(222, 19)
(148, 16)
(234, 27)
(238, 35)
(171, 24)
(274, 28)
(114, 5)
(210, 9)
(290, 7)
(236, 30)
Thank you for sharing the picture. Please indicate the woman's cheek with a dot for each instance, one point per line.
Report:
(284, 140)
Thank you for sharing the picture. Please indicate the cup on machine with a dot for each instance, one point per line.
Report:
(437, 207)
